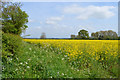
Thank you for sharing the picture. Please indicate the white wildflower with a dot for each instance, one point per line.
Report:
(62, 58)
(21, 63)
(17, 58)
(58, 72)
(28, 66)
(30, 49)
(26, 63)
(62, 73)
(16, 69)
(29, 59)
(11, 59)
(65, 55)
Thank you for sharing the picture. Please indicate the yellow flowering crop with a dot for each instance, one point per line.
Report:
(100, 50)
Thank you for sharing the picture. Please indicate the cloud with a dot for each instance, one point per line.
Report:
(54, 20)
(50, 22)
(83, 13)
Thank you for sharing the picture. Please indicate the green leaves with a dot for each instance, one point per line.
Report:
(14, 19)
(10, 44)
(83, 34)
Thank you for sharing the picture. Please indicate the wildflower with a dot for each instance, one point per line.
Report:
(16, 69)
(11, 59)
(58, 72)
(28, 66)
(30, 49)
(21, 63)
(65, 55)
(63, 74)
(78, 70)
(26, 63)
(29, 59)
(17, 58)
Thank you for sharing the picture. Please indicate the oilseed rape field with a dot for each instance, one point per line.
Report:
(91, 55)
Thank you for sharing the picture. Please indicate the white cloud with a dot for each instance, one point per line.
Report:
(83, 13)
(39, 27)
(50, 22)
(56, 18)
(53, 20)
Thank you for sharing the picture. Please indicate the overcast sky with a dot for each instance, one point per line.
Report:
(61, 19)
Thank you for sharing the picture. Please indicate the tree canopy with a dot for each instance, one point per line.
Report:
(83, 34)
(13, 18)
(43, 36)
(105, 35)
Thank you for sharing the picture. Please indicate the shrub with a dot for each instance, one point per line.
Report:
(11, 44)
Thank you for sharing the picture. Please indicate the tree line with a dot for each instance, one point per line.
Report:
(99, 35)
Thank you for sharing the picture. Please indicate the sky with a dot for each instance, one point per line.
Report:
(61, 19)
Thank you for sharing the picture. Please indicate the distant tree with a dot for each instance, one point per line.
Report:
(112, 34)
(94, 36)
(72, 36)
(13, 18)
(105, 35)
(43, 36)
(83, 34)
(119, 38)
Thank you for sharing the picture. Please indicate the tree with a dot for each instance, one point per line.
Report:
(73, 36)
(119, 38)
(94, 36)
(13, 18)
(105, 35)
(43, 36)
(112, 34)
(83, 34)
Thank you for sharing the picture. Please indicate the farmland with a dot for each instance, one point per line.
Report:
(95, 56)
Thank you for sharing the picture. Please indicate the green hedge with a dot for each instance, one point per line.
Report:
(11, 44)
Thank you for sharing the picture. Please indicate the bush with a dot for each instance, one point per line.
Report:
(11, 44)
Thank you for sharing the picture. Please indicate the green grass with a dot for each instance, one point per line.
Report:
(37, 62)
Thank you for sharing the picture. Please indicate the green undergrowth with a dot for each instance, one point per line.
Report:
(36, 62)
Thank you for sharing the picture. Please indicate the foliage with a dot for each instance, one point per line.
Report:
(38, 62)
(13, 18)
(100, 35)
(11, 44)
(83, 34)
(119, 38)
(105, 35)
